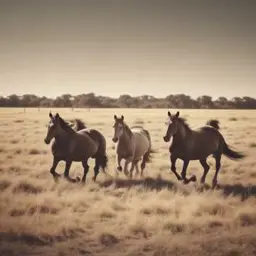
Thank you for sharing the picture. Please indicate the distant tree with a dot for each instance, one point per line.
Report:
(90, 100)
(249, 103)
(3, 102)
(222, 102)
(205, 101)
(30, 100)
(13, 100)
(45, 102)
(237, 102)
(125, 101)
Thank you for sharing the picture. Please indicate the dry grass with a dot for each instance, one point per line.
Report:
(116, 216)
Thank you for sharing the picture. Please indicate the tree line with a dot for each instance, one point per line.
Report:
(90, 100)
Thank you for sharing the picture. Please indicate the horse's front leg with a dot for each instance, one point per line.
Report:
(53, 168)
(127, 161)
(173, 159)
(66, 172)
(184, 171)
(132, 168)
(118, 160)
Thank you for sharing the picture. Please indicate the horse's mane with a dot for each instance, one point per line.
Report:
(65, 126)
(183, 121)
(128, 129)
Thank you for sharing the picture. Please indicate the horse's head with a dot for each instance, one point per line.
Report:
(118, 127)
(172, 126)
(53, 127)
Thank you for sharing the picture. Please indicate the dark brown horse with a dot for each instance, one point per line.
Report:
(75, 145)
(196, 144)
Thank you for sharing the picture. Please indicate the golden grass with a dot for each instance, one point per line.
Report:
(156, 215)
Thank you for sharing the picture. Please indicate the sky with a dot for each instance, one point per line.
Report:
(131, 47)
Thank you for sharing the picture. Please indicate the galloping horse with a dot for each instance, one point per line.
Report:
(78, 146)
(196, 144)
(132, 145)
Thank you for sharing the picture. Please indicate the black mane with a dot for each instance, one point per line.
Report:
(65, 126)
(127, 128)
(184, 122)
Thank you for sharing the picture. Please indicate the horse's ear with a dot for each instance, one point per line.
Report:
(57, 116)
(122, 117)
(169, 114)
(177, 114)
(115, 117)
(50, 114)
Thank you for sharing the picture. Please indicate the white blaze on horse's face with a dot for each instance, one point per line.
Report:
(118, 128)
(172, 126)
(52, 128)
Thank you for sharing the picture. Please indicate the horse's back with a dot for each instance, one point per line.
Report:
(142, 140)
(202, 142)
(207, 130)
(97, 137)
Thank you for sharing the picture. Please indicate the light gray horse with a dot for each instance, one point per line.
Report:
(196, 144)
(131, 145)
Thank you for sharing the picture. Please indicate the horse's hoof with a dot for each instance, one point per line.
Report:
(119, 168)
(78, 179)
(193, 178)
(185, 181)
(126, 173)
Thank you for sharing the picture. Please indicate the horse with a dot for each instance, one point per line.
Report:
(75, 145)
(196, 144)
(132, 145)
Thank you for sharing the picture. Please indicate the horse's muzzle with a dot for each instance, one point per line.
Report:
(46, 141)
(115, 140)
(166, 138)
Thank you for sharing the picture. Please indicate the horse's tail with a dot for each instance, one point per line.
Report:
(79, 125)
(148, 155)
(230, 153)
(76, 124)
(103, 161)
(102, 154)
(214, 123)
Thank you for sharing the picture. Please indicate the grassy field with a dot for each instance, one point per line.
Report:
(156, 215)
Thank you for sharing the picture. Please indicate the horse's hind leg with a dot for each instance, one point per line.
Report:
(53, 168)
(206, 169)
(217, 158)
(96, 168)
(132, 168)
(137, 168)
(173, 167)
(86, 170)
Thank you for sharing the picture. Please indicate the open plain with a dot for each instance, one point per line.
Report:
(153, 215)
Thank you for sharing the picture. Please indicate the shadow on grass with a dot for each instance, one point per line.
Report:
(148, 183)
(158, 184)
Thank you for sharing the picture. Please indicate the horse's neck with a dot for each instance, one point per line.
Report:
(126, 137)
(180, 138)
(63, 136)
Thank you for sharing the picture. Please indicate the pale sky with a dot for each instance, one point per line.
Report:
(137, 47)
